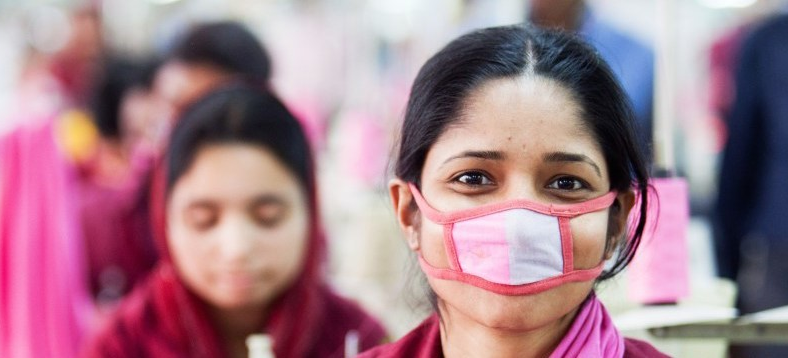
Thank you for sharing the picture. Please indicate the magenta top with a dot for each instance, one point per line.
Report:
(592, 334)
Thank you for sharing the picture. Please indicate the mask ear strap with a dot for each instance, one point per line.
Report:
(438, 218)
(432, 214)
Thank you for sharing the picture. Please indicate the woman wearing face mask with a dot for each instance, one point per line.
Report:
(517, 167)
(242, 248)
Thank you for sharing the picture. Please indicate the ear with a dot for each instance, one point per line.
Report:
(406, 212)
(617, 223)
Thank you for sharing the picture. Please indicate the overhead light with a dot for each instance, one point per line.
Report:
(162, 2)
(48, 28)
(725, 4)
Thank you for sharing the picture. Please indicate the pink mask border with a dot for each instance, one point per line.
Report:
(562, 211)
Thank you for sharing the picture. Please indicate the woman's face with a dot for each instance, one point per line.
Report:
(519, 138)
(237, 225)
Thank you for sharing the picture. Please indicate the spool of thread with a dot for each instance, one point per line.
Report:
(659, 273)
(351, 344)
(260, 346)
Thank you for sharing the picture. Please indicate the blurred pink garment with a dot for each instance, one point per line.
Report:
(723, 56)
(116, 228)
(363, 149)
(659, 273)
(44, 306)
(312, 118)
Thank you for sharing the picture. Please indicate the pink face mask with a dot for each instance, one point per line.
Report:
(515, 247)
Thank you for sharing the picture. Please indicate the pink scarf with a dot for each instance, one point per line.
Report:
(592, 334)
(44, 304)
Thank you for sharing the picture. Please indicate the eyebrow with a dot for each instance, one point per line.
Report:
(268, 199)
(480, 154)
(557, 157)
(262, 199)
(201, 203)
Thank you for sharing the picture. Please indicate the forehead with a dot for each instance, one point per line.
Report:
(525, 115)
(234, 171)
(524, 104)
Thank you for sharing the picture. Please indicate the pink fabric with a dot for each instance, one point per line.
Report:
(44, 305)
(312, 118)
(515, 247)
(592, 334)
(659, 273)
(364, 147)
(482, 247)
(723, 56)
(116, 228)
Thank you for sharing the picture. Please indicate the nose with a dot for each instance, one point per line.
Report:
(237, 240)
(522, 187)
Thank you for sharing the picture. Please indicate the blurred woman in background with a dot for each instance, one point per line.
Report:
(133, 107)
(242, 248)
(206, 56)
(114, 179)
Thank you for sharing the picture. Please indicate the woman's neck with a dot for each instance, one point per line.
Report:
(235, 325)
(461, 336)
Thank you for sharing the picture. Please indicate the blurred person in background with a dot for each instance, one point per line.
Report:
(114, 178)
(517, 168)
(133, 108)
(752, 231)
(206, 56)
(45, 306)
(80, 57)
(631, 61)
(723, 56)
(53, 81)
(241, 242)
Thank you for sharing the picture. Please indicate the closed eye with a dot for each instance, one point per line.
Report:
(202, 216)
(268, 210)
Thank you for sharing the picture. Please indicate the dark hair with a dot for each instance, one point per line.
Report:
(448, 77)
(240, 114)
(227, 45)
(116, 77)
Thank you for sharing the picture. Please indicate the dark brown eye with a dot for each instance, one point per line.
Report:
(567, 183)
(474, 178)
